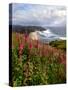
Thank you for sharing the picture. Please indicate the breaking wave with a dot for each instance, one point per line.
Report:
(47, 35)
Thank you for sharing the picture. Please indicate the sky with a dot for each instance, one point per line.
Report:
(37, 15)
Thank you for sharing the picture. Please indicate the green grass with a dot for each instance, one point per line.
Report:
(59, 44)
(35, 69)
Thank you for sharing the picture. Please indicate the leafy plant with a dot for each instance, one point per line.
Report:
(31, 67)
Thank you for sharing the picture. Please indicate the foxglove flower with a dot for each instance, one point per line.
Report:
(30, 45)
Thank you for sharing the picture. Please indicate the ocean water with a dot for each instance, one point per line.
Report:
(52, 33)
(61, 31)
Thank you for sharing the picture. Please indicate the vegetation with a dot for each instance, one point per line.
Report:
(34, 63)
(59, 44)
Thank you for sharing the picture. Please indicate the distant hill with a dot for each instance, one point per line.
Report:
(28, 29)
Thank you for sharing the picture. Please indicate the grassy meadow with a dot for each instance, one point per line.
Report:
(35, 63)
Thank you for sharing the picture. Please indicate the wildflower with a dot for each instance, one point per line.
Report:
(20, 52)
(21, 48)
(26, 37)
(36, 45)
(30, 45)
(62, 58)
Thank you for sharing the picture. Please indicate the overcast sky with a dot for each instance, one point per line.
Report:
(41, 15)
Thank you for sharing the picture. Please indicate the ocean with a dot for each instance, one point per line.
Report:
(52, 33)
(61, 31)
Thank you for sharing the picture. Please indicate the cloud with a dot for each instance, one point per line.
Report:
(30, 14)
